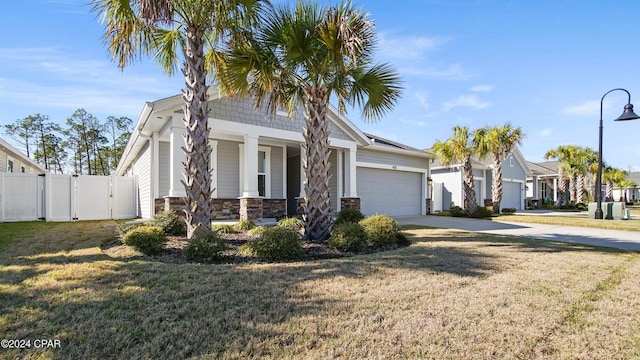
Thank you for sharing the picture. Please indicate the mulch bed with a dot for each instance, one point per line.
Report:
(175, 245)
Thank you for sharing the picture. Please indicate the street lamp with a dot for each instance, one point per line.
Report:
(628, 114)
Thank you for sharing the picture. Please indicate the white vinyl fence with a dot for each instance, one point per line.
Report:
(53, 197)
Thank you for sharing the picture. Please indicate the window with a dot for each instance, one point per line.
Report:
(262, 173)
(263, 170)
(511, 161)
(544, 190)
(9, 166)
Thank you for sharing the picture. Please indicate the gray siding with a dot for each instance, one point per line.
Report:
(277, 169)
(142, 171)
(243, 112)
(379, 157)
(228, 171)
(513, 172)
(3, 161)
(163, 168)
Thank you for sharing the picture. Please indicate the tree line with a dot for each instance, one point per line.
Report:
(83, 145)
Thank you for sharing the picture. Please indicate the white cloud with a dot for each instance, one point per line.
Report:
(408, 48)
(422, 96)
(471, 101)
(452, 72)
(415, 123)
(52, 81)
(588, 108)
(482, 88)
(545, 132)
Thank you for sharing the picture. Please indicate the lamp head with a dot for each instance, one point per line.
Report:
(628, 114)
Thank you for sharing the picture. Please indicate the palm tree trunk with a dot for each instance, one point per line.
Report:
(496, 185)
(197, 175)
(580, 189)
(316, 208)
(562, 187)
(572, 189)
(609, 191)
(470, 203)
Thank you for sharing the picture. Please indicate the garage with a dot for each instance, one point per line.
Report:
(391, 192)
(511, 195)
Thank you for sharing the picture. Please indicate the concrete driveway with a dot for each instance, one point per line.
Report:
(627, 240)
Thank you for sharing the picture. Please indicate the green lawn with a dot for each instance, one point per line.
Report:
(451, 294)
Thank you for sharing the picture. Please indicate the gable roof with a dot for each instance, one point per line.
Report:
(486, 163)
(162, 108)
(546, 168)
(8, 148)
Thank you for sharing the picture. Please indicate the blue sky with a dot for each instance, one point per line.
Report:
(541, 65)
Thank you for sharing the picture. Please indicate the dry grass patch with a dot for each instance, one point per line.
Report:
(452, 294)
(627, 225)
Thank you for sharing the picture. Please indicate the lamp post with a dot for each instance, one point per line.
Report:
(628, 114)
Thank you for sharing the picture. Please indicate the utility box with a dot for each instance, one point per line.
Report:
(610, 210)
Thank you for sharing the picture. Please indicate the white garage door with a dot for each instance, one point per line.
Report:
(395, 193)
(511, 195)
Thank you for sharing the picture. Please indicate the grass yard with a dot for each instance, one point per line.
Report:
(627, 225)
(451, 294)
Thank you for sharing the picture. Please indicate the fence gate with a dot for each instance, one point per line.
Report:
(54, 197)
(21, 197)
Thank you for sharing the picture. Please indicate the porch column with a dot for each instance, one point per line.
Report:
(350, 180)
(303, 174)
(250, 171)
(555, 190)
(176, 156)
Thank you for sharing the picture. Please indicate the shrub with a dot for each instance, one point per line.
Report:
(349, 215)
(146, 239)
(224, 229)
(275, 243)
(292, 223)
(509, 211)
(348, 237)
(170, 223)
(205, 246)
(381, 230)
(244, 225)
(402, 240)
(481, 212)
(256, 230)
(457, 211)
(123, 229)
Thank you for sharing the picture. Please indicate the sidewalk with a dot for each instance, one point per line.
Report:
(627, 240)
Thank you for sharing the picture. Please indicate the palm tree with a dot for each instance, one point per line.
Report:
(582, 160)
(562, 153)
(624, 186)
(610, 176)
(498, 141)
(173, 31)
(460, 147)
(305, 56)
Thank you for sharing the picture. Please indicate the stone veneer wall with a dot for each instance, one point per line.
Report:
(350, 203)
(226, 209)
(251, 209)
(274, 208)
(428, 206)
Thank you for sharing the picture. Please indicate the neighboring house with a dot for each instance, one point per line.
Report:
(448, 182)
(542, 183)
(258, 157)
(632, 193)
(13, 160)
